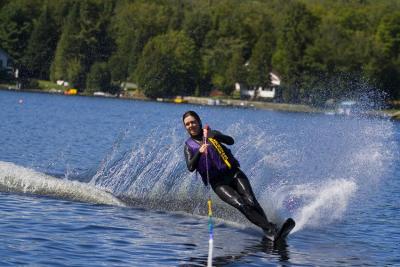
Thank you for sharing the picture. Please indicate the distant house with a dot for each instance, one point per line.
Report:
(267, 92)
(129, 86)
(5, 61)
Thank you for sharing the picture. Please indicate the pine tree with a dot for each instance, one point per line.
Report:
(41, 46)
(68, 47)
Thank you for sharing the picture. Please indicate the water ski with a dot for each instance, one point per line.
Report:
(285, 229)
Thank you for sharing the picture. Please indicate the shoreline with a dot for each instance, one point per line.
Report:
(392, 114)
(251, 104)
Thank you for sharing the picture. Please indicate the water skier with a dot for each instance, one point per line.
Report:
(225, 176)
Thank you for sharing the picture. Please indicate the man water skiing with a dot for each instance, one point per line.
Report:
(224, 174)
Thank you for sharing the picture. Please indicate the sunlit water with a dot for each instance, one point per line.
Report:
(102, 182)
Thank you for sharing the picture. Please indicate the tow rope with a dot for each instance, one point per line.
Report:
(209, 203)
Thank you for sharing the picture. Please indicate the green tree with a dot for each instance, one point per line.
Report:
(236, 72)
(196, 26)
(218, 59)
(313, 43)
(95, 43)
(168, 66)
(341, 49)
(83, 41)
(260, 64)
(384, 67)
(16, 24)
(74, 72)
(41, 46)
(134, 26)
(4, 2)
(289, 58)
(68, 48)
(99, 78)
(176, 14)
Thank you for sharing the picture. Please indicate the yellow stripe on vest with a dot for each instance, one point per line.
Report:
(220, 151)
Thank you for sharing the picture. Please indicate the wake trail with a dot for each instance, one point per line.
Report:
(18, 179)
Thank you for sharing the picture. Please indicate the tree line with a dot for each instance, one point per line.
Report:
(321, 49)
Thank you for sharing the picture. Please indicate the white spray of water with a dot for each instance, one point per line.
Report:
(151, 172)
(315, 204)
(309, 171)
(315, 179)
(14, 178)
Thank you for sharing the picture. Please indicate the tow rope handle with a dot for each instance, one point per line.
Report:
(205, 133)
(209, 208)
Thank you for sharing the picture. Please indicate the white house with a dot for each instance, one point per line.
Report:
(268, 92)
(5, 60)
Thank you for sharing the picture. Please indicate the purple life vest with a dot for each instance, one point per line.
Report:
(216, 165)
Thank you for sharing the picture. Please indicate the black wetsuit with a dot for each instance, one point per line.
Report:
(233, 187)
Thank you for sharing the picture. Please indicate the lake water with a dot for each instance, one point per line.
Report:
(102, 182)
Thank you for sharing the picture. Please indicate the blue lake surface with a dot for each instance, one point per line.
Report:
(90, 181)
